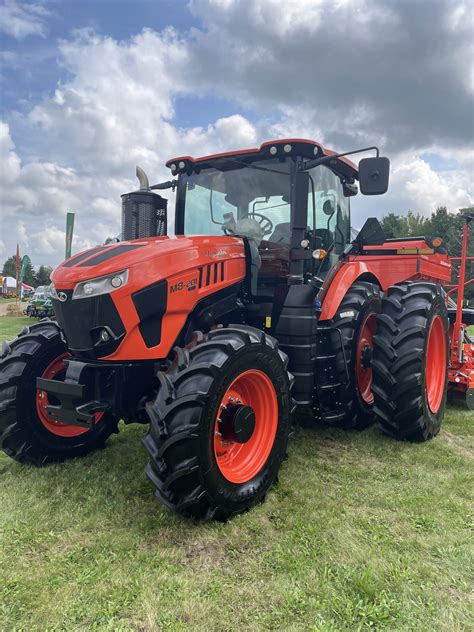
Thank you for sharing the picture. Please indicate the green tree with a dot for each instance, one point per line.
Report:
(394, 225)
(9, 269)
(448, 226)
(409, 225)
(42, 275)
(417, 224)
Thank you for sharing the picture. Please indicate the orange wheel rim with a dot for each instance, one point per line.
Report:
(365, 345)
(435, 370)
(56, 371)
(238, 461)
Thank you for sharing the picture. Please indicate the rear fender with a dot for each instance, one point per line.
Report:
(339, 285)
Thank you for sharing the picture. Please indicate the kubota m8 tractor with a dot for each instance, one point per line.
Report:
(260, 302)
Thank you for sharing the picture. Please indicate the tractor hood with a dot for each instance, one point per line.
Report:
(130, 300)
(151, 259)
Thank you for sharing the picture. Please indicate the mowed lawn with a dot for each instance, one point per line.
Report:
(361, 532)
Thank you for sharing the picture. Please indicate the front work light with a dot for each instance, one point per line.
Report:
(101, 285)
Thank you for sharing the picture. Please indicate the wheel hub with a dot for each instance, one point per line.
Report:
(237, 423)
(363, 367)
(245, 426)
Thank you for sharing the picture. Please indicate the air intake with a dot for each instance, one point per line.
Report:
(143, 215)
(143, 212)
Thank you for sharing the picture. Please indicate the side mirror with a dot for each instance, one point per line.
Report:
(374, 175)
(348, 189)
(329, 208)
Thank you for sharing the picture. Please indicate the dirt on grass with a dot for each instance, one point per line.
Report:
(12, 309)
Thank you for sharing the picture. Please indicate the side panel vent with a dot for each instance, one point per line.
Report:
(211, 274)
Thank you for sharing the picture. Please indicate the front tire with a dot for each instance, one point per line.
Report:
(410, 363)
(26, 433)
(220, 423)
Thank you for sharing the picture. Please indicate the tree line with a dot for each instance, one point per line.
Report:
(31, 277)
(448, 226)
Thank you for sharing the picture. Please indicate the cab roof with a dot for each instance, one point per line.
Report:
(283, 147)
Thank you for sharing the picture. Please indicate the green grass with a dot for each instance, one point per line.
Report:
(11, 325)
(360, 533)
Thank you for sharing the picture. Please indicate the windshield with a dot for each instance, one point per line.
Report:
(214, 198)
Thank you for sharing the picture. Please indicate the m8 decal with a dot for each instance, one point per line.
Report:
(189, 285)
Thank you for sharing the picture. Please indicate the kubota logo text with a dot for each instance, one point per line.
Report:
(216, 253)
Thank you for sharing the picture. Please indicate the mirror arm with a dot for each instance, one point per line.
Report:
(310, 164)
(169, 184)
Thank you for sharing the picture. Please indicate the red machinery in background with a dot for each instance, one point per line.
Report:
(461, 362)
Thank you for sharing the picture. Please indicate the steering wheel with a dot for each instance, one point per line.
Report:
(265, 224)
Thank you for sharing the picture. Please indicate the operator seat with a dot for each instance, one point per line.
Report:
(326, 236)
(282, 234)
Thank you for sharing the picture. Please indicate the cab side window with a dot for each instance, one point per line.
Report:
(328, 210)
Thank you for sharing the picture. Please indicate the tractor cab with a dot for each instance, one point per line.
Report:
(295, 216)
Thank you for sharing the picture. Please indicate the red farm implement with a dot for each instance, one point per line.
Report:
(461, 361)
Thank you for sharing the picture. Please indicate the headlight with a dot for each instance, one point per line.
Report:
(101, 285)
(53, 292)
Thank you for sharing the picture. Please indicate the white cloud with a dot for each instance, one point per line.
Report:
(321, 70)
(115, 109)
(21, 19)
(41, 193)
(393, 70)
(22, 232)
(416, 186)
(429, 189)
(35, 197)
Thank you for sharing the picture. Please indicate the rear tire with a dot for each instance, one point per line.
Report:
(410, 363)
(189, 473)
(23, 435)
(356, 320)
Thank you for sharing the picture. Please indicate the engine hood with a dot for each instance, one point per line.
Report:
(148, 260)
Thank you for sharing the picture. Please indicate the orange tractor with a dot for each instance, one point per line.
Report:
(260, 303)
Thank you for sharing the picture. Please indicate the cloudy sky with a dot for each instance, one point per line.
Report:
(90, 88)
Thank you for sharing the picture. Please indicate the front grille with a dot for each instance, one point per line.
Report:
(82, 320)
